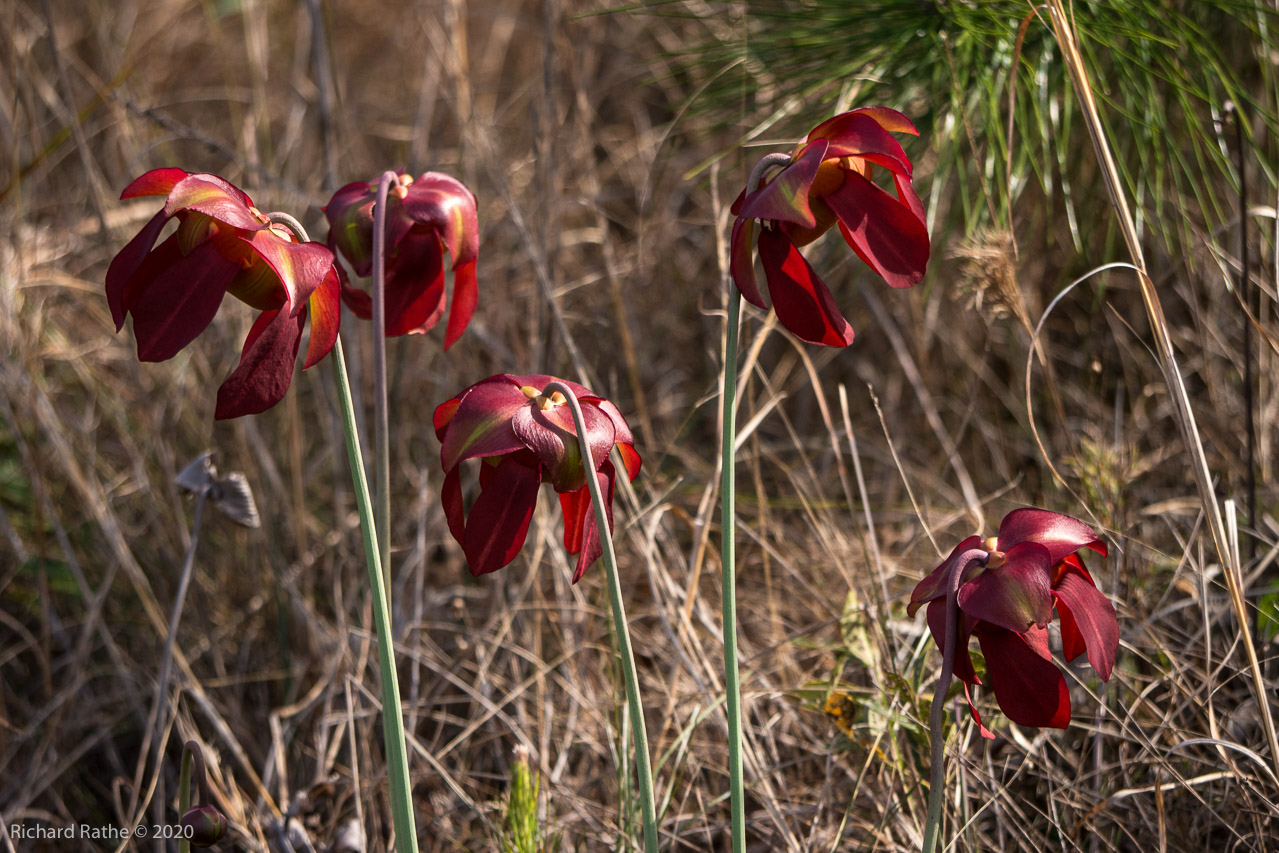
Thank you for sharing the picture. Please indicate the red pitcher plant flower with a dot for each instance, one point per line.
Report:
(425, 217)
(223, 244)
(1007, 589)
(827, 181)
(524, 438)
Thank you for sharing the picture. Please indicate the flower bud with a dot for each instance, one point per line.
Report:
(206, 825)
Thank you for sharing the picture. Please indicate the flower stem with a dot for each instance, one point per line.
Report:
(392, 715)
(381, 428)
(937, 780)
(190, 752)
(397, 765)
(728, 561)
(728, 542)
(643, 765)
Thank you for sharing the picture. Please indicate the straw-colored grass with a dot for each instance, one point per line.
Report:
(601, 261)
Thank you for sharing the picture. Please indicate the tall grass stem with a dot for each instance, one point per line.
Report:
(643, 765)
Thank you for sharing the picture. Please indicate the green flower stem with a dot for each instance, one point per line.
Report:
(189, 752)
(643, 765)
(392, 717)
(381, 428)
(937, 780)
(397, 764)
(728, 532)
(728, 561)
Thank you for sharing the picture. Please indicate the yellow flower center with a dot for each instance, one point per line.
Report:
(996, 558)
(543, 402)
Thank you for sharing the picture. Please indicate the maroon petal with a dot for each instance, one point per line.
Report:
(266, 366)
(889, 119)
(481, 424)
(1015, 595)
(466, 296)
(498, 522)
(857, 134)
(1027, 685)
(1060, 534)
(350, 216)
(128, 260)
(589, 546)
(325, 309)
(415, 285)
(936, 616)
(154, 182)
(1087, 616)
(800, 297)
(445, 204)
(785, 197)
(180, 302)
(301, 267)
(451, 499)
(213, 197)
(360, 303)
(934, 585)
(552, 437)
(742, 261)
(884, 232)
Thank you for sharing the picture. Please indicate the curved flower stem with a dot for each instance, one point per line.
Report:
(190, 752)
(728, 542)
(397, 764)
(932, 827)
(381, 428)
(642, 763)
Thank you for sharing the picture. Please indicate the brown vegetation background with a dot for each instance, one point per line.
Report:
(603, 194)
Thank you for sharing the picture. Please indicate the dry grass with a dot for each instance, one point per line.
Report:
(598, 262)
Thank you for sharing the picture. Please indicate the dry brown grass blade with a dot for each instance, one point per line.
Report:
(1064, 34)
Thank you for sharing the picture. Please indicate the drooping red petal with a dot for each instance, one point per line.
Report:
(857, 134)
(451, 500)
(180, 302)
(785, 197)
(1087, 619)
(415, 285)
(1060, 534)
(972, 709)
(884, 232)
(301, 267)
(266, 366)
(446, 205)
(590, 546)
(498, 522)
(325, 308)
(129, 259)
(466, 296)
(934, 585)
(742, 261)
(350, 216)
(552, 437)
(443, 416)
(213, 197)
(154, 182)
(575, 506)
(936, 616)
(906, 193)
(360, 303)
(1029, 688)
(1015, 595)
(803, 303)
(481, 424)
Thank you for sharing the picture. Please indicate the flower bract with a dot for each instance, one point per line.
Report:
(223, 244)
(524, 438)
(425, 217)
(828, 182)
(1032, 569)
